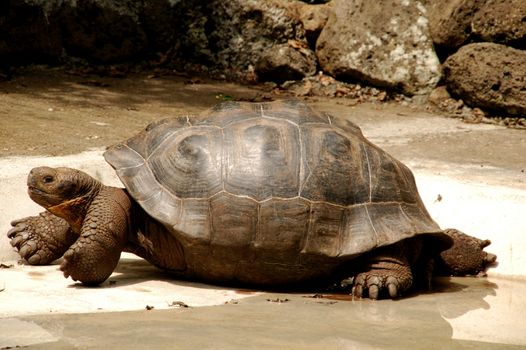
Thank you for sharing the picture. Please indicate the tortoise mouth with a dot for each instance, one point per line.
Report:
(42, 197)
(35, 190)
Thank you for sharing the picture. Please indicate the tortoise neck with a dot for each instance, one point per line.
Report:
(74, 210)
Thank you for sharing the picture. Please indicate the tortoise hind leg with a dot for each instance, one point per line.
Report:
(465, 257)
(387, 271)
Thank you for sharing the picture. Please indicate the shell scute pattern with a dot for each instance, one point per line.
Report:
(281, 227)
(233, 220)
(295, 112)
(278, 177)
(227, 113)
(189, 162)
(262, 159)
(334, 167)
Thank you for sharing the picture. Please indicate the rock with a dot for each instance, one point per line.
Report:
(241, 32)
(227, 37)
(161, 21)
(103, 31)
(27, 32)
(192, 33)
(490, 76)
(325, 85)
(384, 43)
(501, 21)
(453, 23)
(313, 18)
(439, 95)
(284, 62)
(450, 22)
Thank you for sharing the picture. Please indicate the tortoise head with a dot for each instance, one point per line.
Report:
(65, 192)
(53, 186)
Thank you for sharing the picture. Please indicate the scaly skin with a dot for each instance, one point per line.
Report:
(41, 239)
(466, 257)
(387, 271)
(94, 256)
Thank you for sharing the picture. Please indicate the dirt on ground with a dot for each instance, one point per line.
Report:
(59, 111)
(47, 111)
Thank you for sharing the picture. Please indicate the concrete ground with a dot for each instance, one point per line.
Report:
(470, 176)
(465, 313)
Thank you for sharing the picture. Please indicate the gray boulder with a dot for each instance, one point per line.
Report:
(384, 43)
(501, 21)
(243, 32)
(490, 76)
(239, 37)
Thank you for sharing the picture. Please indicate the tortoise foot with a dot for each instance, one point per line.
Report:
(383, 279)
(41, 239)
(465, 257)
(91, 259)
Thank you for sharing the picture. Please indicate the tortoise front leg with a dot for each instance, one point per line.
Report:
(41, 239)
(387, 271)
(94, 256)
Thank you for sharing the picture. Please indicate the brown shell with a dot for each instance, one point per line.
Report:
(276, 176)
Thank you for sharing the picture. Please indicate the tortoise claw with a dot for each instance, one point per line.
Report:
(485, 243)
(490, 259)
(393, 290)
(20, 221)
(374, 291)
(28, 249)
(379, 282)
(16, 240)
(357, 291)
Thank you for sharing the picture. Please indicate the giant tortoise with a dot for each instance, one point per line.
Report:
(263, 194)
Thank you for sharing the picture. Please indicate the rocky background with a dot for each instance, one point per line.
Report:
(467, 57)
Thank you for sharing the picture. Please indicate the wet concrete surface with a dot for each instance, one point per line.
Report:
(141, 307)
(462, 313)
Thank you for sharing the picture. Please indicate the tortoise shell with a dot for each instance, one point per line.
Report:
(275, 176)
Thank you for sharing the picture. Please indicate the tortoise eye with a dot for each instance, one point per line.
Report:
(48, 179)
